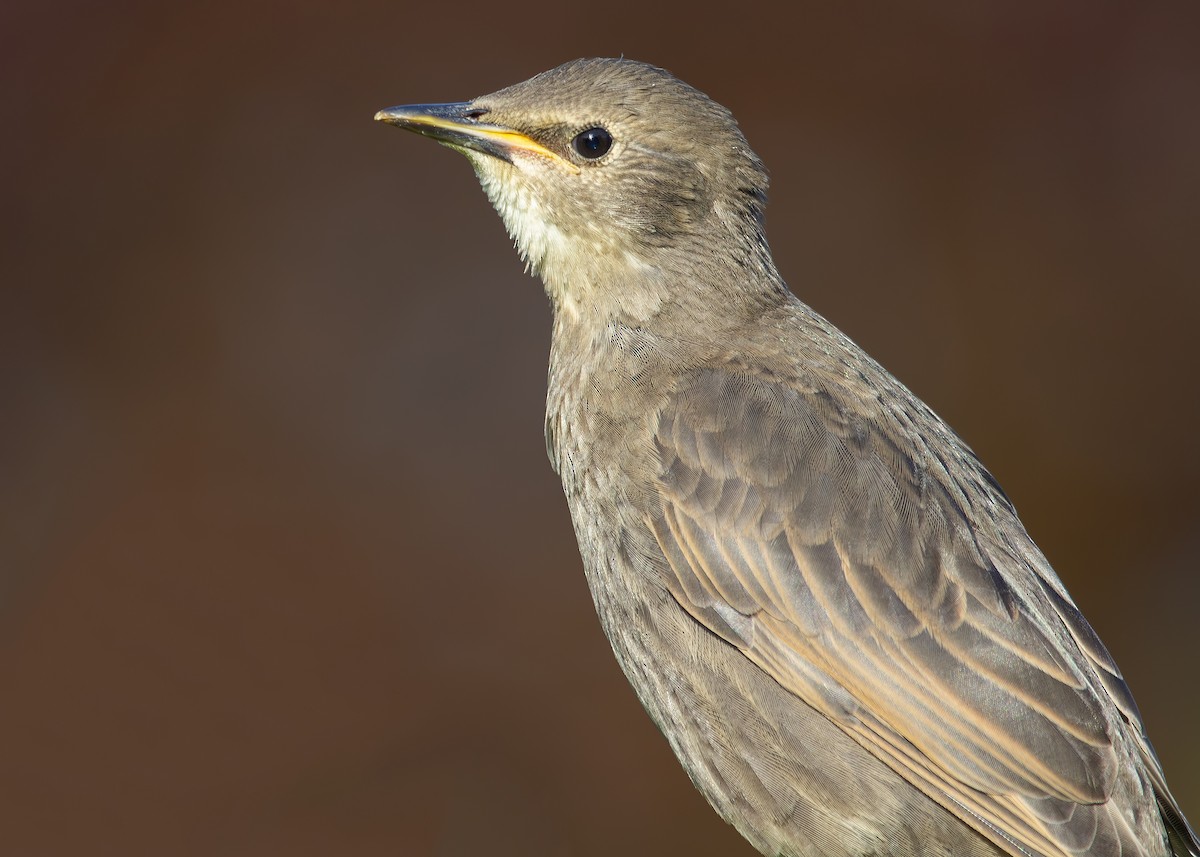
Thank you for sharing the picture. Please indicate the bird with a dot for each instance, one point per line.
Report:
(822, 598)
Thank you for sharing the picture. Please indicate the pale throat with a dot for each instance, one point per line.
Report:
(587, 277)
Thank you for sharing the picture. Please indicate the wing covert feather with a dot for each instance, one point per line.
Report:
(838, 555)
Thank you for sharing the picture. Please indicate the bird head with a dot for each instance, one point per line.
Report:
(609, 171)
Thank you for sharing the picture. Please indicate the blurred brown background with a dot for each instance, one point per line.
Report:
(283, 568)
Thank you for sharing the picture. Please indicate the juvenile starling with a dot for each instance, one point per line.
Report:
(819, 594)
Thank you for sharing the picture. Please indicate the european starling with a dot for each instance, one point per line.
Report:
(819, 594)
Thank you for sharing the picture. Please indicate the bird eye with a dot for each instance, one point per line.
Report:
(592, 144)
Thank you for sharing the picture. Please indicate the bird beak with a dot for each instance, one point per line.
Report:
(457, 126)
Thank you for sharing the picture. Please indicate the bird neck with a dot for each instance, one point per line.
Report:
(730, 269)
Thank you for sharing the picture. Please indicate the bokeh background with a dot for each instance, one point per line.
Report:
(283, 568)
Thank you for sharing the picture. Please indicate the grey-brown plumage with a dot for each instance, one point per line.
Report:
(820, 595)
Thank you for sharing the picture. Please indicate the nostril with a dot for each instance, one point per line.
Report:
(476, 113)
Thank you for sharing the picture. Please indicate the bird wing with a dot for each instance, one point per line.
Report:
(843, 561)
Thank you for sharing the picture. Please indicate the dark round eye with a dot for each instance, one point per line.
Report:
(593, 143)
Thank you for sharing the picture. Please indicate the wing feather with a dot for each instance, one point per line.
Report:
(839, 556)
